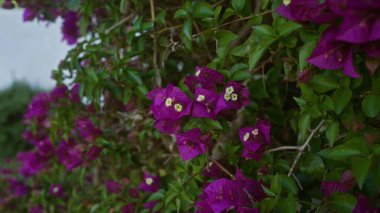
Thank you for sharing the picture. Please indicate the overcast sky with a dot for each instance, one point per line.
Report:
(28, 51)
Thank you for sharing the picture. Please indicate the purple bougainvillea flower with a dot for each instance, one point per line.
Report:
(70, 29)
(150, 183)
(344, 185)
(36, 209)
(58, 92)
(18, 188)
(359, 27)
(167, 126)
(32, 162)
(213, 171)
(247, 210)
(171, 104)
(94, 152)
(69, 155)
(45, 148)
(204, 103)
(191, 143)
(74, 94)
(306, 10)
(332, 54)
(38, 108)
(87, 130)
(255, 139)
(56, 190)
(363, 205)
(8, 4)
(29, 14)
(129, 208)
(234, 96)
(205, 78)
(114, 187)
(224, 194)
(150, 205)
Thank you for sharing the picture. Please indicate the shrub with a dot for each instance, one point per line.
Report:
(250, 93)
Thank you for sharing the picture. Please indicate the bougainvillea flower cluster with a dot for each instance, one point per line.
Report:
(171, 104)
(255, 139)
(353, 28)
(224, 194)
(344, 185)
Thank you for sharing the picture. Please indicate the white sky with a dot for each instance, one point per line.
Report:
(29, 51)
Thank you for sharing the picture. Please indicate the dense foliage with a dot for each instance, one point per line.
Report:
(14, 101)
(205, 106)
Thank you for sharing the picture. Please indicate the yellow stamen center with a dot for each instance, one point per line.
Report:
(168, 102)
(200, 98)
(149, 181)
(178, 107)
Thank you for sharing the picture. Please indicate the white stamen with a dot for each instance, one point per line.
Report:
(246, 137)
(168, 102)
(200, 98)
(149, 181)
(178, 107)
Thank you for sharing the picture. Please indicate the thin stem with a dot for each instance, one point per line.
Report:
(155, 53)
(122, 21)
(302, 148)
(223, 169)
(283, 148)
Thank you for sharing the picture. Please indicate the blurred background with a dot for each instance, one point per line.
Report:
(29, 51)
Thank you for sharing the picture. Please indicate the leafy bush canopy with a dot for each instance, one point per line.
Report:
(206, 106)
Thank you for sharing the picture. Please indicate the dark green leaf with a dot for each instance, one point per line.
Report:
(322, 83)
(360, 168)
(332, 130)
(371, 105)
(341, 202)
(341, 98)
(238, 5)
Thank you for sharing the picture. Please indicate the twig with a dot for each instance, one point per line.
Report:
(297, 181)
(283, 148)
(122, 21)
(302, 148)
(155, 54)
(223, 169)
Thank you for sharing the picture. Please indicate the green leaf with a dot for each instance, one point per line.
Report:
(203, 10)
(371, 105)
(332, 130)
(322, 83)
(241, 75)
(134, 76)
(341, 202)
(304, 125)
(187, 33)
(288, 205)
(305, 52)
(238, 5)
(267, 204)
(360, 168)
(354, 147)
(181, 13)
(276, 184)
(341, 98)
(287, 28)
(264, 32)
(257, 52)
(313, 166)
(225, 37)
